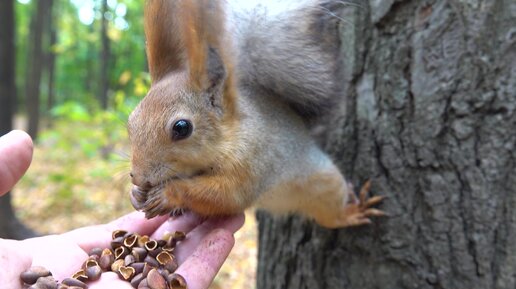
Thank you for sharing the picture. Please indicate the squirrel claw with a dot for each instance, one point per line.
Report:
(148, 201)
(357, 213)
(138, 198)
(136, 204)
(372, 201)
(364, 191)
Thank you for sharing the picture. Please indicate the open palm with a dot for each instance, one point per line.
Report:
(200, 255)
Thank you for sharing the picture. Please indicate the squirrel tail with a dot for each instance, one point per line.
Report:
(291, 48)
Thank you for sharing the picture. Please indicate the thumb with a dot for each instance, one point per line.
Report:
(15, 157)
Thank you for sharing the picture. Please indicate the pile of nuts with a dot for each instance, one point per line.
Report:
(140, 260)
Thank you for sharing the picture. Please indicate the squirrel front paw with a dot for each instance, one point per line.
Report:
(152, 202)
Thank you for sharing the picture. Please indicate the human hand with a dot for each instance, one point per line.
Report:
(200, 255)
(15, 158)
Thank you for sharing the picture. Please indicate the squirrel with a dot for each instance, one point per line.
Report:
(224, 124)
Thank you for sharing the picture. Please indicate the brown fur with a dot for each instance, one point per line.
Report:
(164, 47)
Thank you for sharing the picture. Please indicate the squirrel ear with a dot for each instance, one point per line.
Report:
(214, 79)
(190, 35)
(216, 72)
(209, 65)
(163, 35)
(203, 28)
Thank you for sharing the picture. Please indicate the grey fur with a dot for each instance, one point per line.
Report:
(300, 63)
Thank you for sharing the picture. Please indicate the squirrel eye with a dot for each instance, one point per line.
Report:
(181, 129)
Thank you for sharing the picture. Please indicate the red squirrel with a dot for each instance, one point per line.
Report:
(223, 126)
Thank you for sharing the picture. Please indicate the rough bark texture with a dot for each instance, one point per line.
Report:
(430, 116)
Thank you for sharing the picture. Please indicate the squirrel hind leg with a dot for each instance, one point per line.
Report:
(326, 198)
(353, 211)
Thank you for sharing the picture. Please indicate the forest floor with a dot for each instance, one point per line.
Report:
(62, 191)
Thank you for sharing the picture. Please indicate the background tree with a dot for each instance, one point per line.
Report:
(50, 58)
(10, 226)
(104, 55)
(430, 116)
(41, 17)
(69, 42)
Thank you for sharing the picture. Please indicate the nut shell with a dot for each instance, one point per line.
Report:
(155, 280)
(176, 281)
(31, 276)
(74, 282)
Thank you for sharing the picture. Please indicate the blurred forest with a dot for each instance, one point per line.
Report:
(71, 72)
(79, 68)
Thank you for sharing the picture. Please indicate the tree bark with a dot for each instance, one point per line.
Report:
(104, 58)
(430, 116)
(10, 226)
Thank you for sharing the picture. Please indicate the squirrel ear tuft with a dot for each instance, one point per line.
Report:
(163, 38)
(190, 36)
(206, 48)
(203, 31)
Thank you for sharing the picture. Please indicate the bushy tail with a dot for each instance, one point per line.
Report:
(291, 49)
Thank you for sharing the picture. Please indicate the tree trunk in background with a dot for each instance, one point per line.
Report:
(104, 58)
(430, 116)
(35, 69)
(91, 71)
(10, 226)
(7, 60)
(51, 58)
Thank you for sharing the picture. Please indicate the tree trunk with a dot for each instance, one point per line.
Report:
(104, 58)
(10, 226)
(42, 13)
(7, 58)
(91, 70)
(430, 116)
(51, 59)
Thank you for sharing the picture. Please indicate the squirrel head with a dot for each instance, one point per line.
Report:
(180, 128)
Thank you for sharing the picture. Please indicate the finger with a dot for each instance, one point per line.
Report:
(202, 266)
(14, 259)
(194, 238)
(15, 157)
(100, 236)
(109, 280)
(57, 254)
(184, 223)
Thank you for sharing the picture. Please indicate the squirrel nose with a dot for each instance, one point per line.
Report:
(140, 182)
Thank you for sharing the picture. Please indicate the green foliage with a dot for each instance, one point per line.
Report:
(78, 50)
(22, 18)
(92, 130)
(84, 142)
